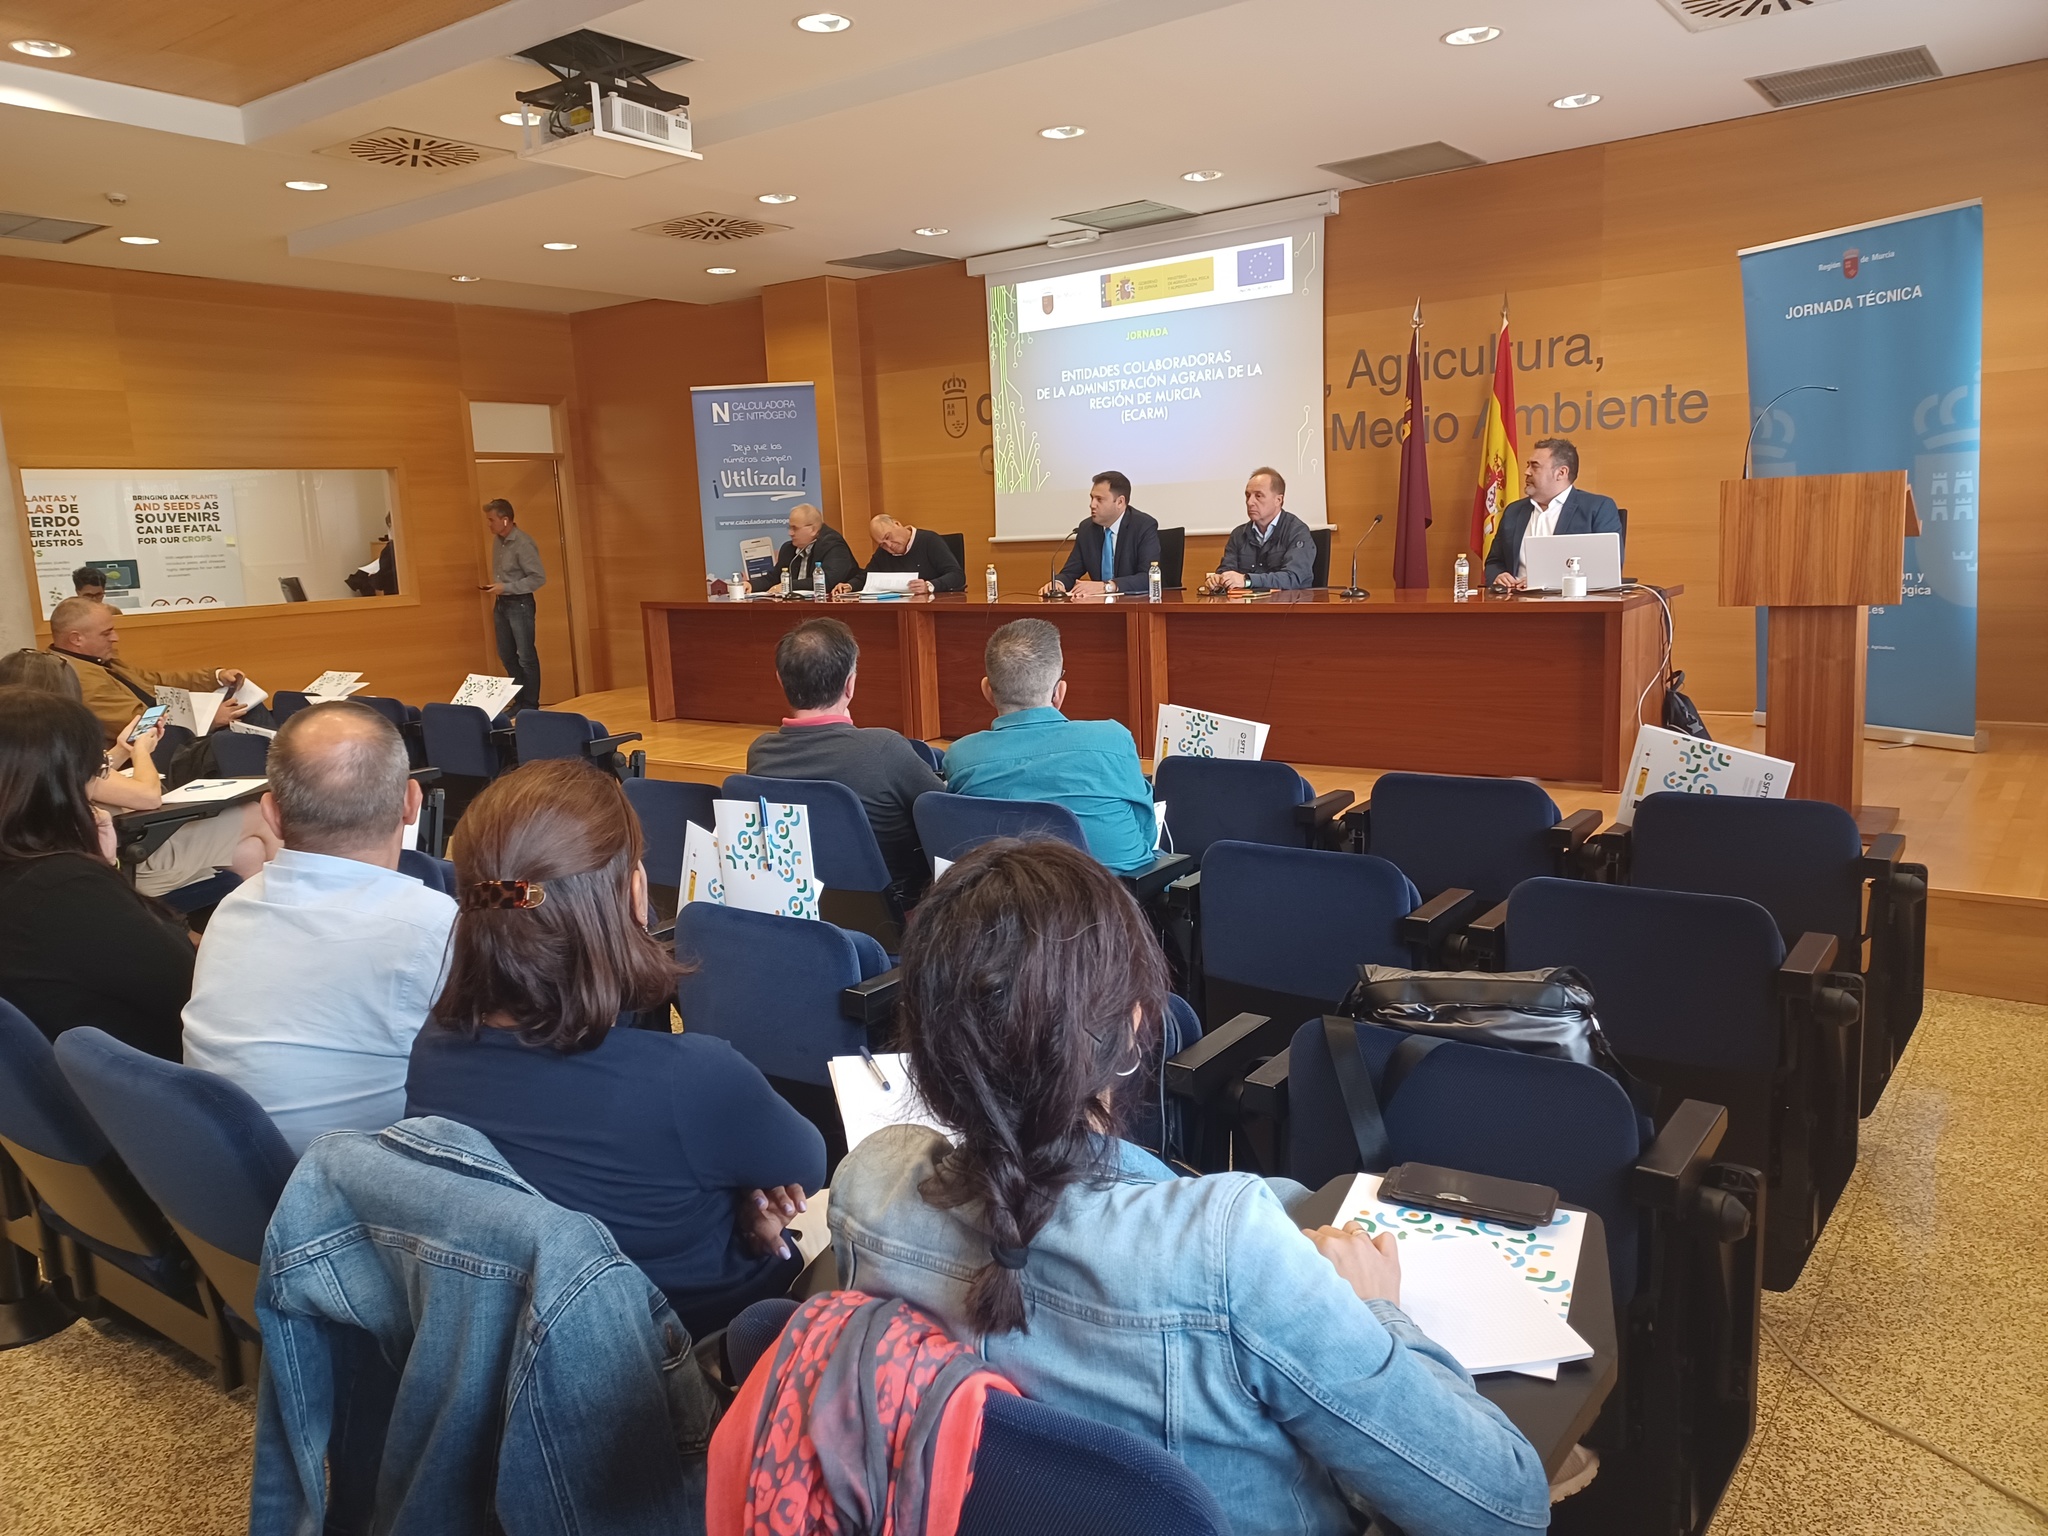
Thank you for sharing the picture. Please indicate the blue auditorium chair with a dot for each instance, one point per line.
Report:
(859, 892)
(934, 759)
(406, 717)
(1803, 861)
(287, 702)
(460, 740)
(544, 734)
(205, 1152)
(666, 808)
(788, 993)
(435, 874)
(1210, 799)
(102, 1240)
(241, 754)
(950, 826)
(1699, 997)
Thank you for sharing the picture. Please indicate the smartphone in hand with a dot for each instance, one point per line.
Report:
(151, 718)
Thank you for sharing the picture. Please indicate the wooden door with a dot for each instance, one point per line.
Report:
(529, 484)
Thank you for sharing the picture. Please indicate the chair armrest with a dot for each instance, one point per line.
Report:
(1810, 961)
(873, 1001)
(1323, 809)
(426, 776)
(1670, 1168)
(1265, 1089)
(1428, 923)
(1166, 868)
(1568, 834)
(1205, 1068)
(505, 735)
(141, 833)
(1882, 856)
(1613, 849)
(600, 745)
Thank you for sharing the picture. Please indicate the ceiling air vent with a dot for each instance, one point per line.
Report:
(1705, 15)
(898, 260)
(29, 226)
(1125, 216)
(711, 228)
(1847, 77)
(402, 149)
(1400, 164)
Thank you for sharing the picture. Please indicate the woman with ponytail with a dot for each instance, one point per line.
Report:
(1193, 1312)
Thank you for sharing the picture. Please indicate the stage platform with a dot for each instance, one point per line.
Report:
(1979, 821)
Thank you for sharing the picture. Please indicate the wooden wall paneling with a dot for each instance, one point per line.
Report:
(811, 332)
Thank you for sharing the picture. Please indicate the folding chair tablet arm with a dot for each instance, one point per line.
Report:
(1165, 869)
(872, 1002)
(138, 835)
(603, 746)
(1568, 840)
(1209, 1076)
(1609, 855)
(1317, 817)
(1426, 929)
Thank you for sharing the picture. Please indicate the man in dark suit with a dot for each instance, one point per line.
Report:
(1113, 548)
(1554, 505)
(813, 544)
(1271, 548)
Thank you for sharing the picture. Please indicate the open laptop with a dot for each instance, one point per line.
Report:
(1599, 557)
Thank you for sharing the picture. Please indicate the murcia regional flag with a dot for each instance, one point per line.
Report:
(1500, 463)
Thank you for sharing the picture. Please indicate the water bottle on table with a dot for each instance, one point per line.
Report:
(818, 582)
(991, 583)
(1461, 578)
(1155, 586)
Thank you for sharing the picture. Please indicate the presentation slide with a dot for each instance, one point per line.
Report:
(1184, 369)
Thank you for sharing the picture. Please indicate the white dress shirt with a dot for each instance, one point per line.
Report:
(312, 980)
(1542, 524)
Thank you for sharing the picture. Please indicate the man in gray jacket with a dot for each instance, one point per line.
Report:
(1271, 548)
(516, 574)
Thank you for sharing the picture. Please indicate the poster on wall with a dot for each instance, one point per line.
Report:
(757, 456)
(162, 543)
(1877, 330)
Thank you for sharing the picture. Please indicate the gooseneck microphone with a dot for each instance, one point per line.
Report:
(1760, 415)
(1052, 566)
(1354, 592)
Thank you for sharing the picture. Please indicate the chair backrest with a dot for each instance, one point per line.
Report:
(1284, 930)
(458, 740)
(542, 734)
(1209, 799)
(400, 715)
(1492, 1111)
(1321, 575)
(666, 808)
(934, 759)
(1040, 1468)
(201, 1148)
(770, 985)
(952, 826)
(1173, 556)
(285, 703)
(1484, 835)
(956, 542)
(843, 846)
(1797, 859)
(241, 754)
(435, 874)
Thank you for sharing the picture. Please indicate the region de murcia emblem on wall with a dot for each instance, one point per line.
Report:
(1045, 302)
(953, 406)
(1852, 262)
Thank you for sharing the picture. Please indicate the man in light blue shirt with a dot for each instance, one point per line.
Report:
(1033, 752)
(315, 975)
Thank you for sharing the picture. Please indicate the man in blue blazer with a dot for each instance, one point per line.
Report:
(1113, 527)
(1554, 505)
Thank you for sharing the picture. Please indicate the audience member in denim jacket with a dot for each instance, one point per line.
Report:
(1278, 1365)
(468, 1355)
(675, 1142)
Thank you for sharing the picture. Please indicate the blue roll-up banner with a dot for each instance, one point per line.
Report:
(1892, 315)
(757, 456)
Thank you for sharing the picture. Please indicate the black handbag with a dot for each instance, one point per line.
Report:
(1679, 713)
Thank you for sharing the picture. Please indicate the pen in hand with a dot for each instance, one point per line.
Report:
(873, 1067)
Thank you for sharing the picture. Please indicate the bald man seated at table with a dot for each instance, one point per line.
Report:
(813, 545)
(922, 554)
(85, 633)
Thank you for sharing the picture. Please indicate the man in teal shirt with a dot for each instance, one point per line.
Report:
(1033, 752)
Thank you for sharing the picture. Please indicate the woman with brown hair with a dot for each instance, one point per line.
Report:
(675, 1142)
(1192, 1312)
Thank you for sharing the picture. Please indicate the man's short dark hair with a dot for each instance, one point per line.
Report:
(88, 576)
(1272, 478)
(1561, 449)
(814, 660)
(1118, 482)
(348, 791)
(500, 507)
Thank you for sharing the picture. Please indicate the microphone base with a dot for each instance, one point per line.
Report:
(1055, 597)
(1354, 594)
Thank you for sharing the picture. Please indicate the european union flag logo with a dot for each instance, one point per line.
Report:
(1262, 264)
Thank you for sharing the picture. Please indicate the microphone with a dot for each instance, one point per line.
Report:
(1760, 415)
(1354, 592)
(1052, 566)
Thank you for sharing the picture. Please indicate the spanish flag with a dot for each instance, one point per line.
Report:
(1500, 462)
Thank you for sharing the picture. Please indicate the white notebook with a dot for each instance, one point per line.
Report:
(865, 1106)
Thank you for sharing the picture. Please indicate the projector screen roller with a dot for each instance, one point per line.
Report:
(1185, 369)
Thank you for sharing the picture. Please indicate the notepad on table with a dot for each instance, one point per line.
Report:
(865, 1106)
(205, 791)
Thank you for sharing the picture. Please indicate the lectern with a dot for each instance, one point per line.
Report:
(1817, 551)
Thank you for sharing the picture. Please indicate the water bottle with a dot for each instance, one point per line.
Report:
(818, 582)
(1155, 584)
(736, 585)
(785, 581)
(1461, 579)
(991, 583)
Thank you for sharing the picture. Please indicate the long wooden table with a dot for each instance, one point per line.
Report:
(1544, 687)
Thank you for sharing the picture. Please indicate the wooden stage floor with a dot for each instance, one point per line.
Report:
(1979, 821)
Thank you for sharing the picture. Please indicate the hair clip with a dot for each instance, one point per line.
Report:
(494, 895)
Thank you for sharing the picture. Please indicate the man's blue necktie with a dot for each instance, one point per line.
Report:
(1109, 554)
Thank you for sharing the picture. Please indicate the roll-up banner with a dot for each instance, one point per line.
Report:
(757, 456)
(1891, 315)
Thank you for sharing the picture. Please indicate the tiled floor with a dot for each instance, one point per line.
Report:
(1927, 1302)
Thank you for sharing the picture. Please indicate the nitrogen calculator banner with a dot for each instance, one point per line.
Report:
(757, 456)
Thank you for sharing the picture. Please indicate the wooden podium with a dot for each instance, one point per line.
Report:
(1818, 551)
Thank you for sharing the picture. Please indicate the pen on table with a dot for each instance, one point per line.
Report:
(868, 1057)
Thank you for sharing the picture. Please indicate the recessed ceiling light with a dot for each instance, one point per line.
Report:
(1200, 175)
(1465, 37)
(307, 186)
(1062, 131)
(138, 240)
(721, 271)
(40, 48)
(1583, 99)
(558, 245)
(776, 197)
(465, 278)
(932, 231)
(520, 119)
(824, 21)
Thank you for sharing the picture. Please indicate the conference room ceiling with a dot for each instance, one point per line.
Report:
(920, 115)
